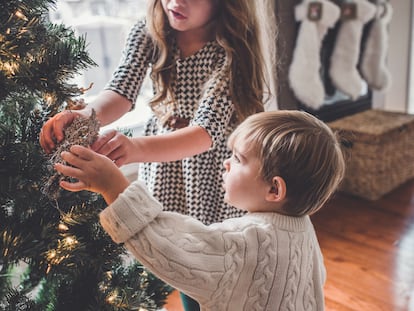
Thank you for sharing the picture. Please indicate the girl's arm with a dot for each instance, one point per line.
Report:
(182, 143)
(117, 99)
(109, 106)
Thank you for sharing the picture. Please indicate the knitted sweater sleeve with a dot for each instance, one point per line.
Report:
(190, 256)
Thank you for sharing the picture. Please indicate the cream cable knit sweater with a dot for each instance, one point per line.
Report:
(261, 261)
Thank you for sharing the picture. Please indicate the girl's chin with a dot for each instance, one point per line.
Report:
(178, 24)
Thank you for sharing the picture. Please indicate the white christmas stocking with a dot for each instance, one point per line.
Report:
(343, 66)
(373, 63)
(316, 18)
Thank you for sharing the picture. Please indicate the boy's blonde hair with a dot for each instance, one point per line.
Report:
(238, 33)
(300, 149)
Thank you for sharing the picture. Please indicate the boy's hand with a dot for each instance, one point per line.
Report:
(94, 172)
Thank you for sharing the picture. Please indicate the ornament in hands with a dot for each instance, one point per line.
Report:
(82, 131)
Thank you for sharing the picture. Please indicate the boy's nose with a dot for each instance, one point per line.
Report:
(226, 164)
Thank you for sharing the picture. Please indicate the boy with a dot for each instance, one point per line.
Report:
(284, 166)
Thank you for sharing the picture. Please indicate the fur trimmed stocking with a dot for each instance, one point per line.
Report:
(344, 60)
(373, 63)
(316, 18)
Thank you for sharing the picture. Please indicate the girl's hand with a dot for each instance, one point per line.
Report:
(94, 172)
(52, 130)
(114, 145)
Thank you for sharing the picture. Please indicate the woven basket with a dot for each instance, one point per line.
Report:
(381, 154)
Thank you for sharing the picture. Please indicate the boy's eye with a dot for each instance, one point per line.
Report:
(235, 157)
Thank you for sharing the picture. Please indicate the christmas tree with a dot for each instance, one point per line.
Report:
(54, 254)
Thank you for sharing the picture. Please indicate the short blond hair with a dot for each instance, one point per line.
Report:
(301, 149)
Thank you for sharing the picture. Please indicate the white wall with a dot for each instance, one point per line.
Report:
(396, 98)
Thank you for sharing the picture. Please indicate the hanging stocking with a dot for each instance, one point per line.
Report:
(316, 18)
(373, 63)
(343, 69)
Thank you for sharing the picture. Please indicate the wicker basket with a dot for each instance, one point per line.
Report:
(381, 152)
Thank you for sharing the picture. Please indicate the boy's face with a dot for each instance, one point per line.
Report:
(243, 186)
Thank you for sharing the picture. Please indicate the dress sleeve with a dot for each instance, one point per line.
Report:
(180, 250)
(136, 57)
(215, 109)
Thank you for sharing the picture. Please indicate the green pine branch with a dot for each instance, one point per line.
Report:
(68, 261)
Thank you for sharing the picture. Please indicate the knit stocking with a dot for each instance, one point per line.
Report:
(343, 69)
(316, 18)
(373, 64)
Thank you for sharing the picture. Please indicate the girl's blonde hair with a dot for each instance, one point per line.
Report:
(299, 148)
(237, 31)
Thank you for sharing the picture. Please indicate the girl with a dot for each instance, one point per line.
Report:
(208, 75)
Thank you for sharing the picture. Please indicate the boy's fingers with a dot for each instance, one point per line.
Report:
(73, 159)
(73, 186)
(82, 152)
(67, 170)
(78, 156)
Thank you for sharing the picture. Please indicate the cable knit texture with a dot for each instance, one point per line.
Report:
(260, 261)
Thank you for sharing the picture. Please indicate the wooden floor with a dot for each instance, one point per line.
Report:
(369, 252)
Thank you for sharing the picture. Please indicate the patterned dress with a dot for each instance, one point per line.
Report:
(192, 186)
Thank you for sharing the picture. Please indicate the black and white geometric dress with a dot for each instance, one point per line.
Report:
(192, 186)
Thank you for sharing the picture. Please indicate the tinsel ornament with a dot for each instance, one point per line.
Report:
(82, 131)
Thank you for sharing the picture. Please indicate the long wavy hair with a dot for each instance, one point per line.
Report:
(238, 33)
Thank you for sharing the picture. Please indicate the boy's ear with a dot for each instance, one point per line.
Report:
(277, 191)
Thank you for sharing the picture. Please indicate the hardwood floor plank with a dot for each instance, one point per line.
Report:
(345, 299)
(369, 251)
